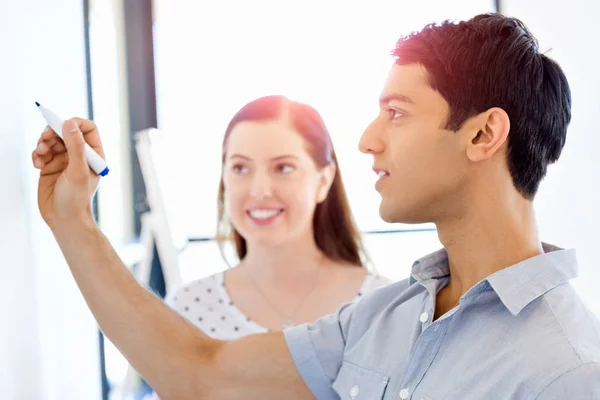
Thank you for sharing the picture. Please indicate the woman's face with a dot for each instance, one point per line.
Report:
(272, 185)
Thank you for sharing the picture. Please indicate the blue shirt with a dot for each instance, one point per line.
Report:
(521, 333)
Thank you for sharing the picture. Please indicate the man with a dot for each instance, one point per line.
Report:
(470, 117)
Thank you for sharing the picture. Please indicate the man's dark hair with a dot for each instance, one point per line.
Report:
(494, 61)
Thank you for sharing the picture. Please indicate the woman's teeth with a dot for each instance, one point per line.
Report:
(263, 214)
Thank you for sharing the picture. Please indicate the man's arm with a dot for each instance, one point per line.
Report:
(177, 359)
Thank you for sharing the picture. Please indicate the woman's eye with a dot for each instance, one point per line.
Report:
(285, 168)
(239, 169)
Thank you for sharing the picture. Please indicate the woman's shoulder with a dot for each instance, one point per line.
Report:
(205, 303)
(206, 288)
(374, 281)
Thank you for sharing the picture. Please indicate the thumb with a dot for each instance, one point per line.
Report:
(77, 169)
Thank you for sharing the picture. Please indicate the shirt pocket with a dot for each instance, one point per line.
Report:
(357, 383)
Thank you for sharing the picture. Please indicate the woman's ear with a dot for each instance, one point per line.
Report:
(326, 177)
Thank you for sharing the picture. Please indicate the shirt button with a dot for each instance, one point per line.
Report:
(404, 393)
(424, 317)
(354, 391)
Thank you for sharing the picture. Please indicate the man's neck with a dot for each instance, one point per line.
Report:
(489, 238)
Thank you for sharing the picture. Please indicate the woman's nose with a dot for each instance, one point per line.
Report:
(261, 187)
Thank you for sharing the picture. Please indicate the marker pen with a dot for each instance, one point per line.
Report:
(96, 163)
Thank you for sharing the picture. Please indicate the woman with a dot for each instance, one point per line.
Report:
(283, 205)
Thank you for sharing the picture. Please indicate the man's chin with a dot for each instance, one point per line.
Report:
(398, 215)
(388, 213)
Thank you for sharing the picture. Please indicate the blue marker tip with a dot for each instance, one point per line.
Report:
(37, 104)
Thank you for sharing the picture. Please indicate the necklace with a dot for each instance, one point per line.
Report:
(288, 320)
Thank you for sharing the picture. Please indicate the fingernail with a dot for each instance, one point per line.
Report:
(40, 146)
(37, 163)
(71, 126)
(47, 128)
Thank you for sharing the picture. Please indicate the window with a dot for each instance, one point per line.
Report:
(212, 58)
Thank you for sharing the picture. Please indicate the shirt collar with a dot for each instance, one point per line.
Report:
(517, 285)
(432, 266)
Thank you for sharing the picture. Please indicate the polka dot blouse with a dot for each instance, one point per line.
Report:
(205, 304)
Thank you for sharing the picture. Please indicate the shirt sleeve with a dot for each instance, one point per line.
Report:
(318, 350)
(582, 382)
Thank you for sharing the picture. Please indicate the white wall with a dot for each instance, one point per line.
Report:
(568, 204)
(48, 338)
(19, 345)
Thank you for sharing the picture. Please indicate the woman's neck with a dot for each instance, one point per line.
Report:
(292, 263)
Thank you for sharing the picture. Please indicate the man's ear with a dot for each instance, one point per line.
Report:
(326, 177)
(487, 132)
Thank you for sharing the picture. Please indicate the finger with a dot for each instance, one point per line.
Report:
(48, 134)
(44, 155)
(46, 150)
(41, 148)
(90, 134)
(45, 146)
(77, 169)
(37, 162)
(59, 147)
(46, 158)
(58, 164)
